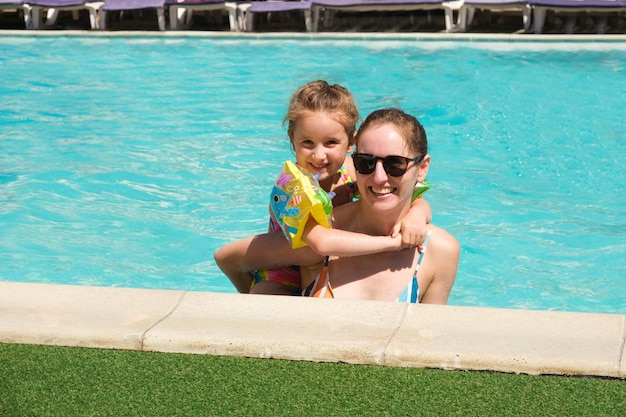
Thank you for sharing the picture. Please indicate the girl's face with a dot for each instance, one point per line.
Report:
(320, 144)
(379, 189)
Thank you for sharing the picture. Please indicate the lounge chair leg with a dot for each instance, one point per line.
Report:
(161, 19)
(461, 10)
(469, 17)
(526, 13)
(243, 17)
(307, 21)
(540, 17)
(28, 22)
(174, 13)
(249, 21)
(93, 19)
(448, 18)
(316, 19)
(232, 16)
(102, 20)
(36, 18)
(451, 25)
(51, 17)
(188, 19)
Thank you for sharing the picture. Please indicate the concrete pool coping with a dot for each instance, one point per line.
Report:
(295, 328)
(613, 39)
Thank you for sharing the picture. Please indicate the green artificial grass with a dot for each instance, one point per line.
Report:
(61, 381)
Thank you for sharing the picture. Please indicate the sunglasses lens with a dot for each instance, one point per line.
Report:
(365, 164)
(395, 166)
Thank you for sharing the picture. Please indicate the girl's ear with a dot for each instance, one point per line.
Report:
(351, 143)
(422, 170)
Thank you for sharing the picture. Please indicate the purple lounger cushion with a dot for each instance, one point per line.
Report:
(580, 3)
(279, 6)
(59, 3)
(494, 2)
(116, 5)
(12, 2)
(383, 3)
(194, 2)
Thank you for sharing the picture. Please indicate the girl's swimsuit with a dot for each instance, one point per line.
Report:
(344, 177)
(321, 288)
(290, 276)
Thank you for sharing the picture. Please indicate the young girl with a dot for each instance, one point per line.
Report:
(321, 123)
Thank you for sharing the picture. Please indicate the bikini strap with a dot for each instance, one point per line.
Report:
(413, 296)
(320, 288)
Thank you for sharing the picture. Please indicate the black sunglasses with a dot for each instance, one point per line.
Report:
(393, 165)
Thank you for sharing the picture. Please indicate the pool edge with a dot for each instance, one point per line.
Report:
(294, 328)
(425, 36)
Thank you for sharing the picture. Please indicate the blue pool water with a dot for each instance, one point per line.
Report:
(128, 161)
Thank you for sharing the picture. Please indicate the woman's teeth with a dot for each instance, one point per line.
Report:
(385, 190)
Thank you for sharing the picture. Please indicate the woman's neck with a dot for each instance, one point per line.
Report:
(376, 223)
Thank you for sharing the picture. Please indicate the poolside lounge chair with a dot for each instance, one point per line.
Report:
(248, 11)
(17, 5)
(55, 6)
(126, 5)
(571, 7)
(466, 10)
(374, 5)
(181, 12)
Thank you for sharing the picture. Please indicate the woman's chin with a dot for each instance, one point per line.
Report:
(383, 202)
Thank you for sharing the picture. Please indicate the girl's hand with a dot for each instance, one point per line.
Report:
(411, 234)
(414, 225)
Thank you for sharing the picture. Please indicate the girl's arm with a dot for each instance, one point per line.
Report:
(335, 242)
(414, 225)
(239, 260)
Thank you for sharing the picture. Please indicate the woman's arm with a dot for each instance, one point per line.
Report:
(442, 262)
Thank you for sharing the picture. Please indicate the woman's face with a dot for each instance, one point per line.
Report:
(320, 144)
(379, 189)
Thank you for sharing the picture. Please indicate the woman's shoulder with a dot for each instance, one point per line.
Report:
(444, 242)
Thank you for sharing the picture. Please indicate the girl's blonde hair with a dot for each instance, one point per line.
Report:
(319, 96)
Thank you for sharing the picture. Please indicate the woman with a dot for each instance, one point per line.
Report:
(391, 158)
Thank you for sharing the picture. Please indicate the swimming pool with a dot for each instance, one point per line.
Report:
(126, 161)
